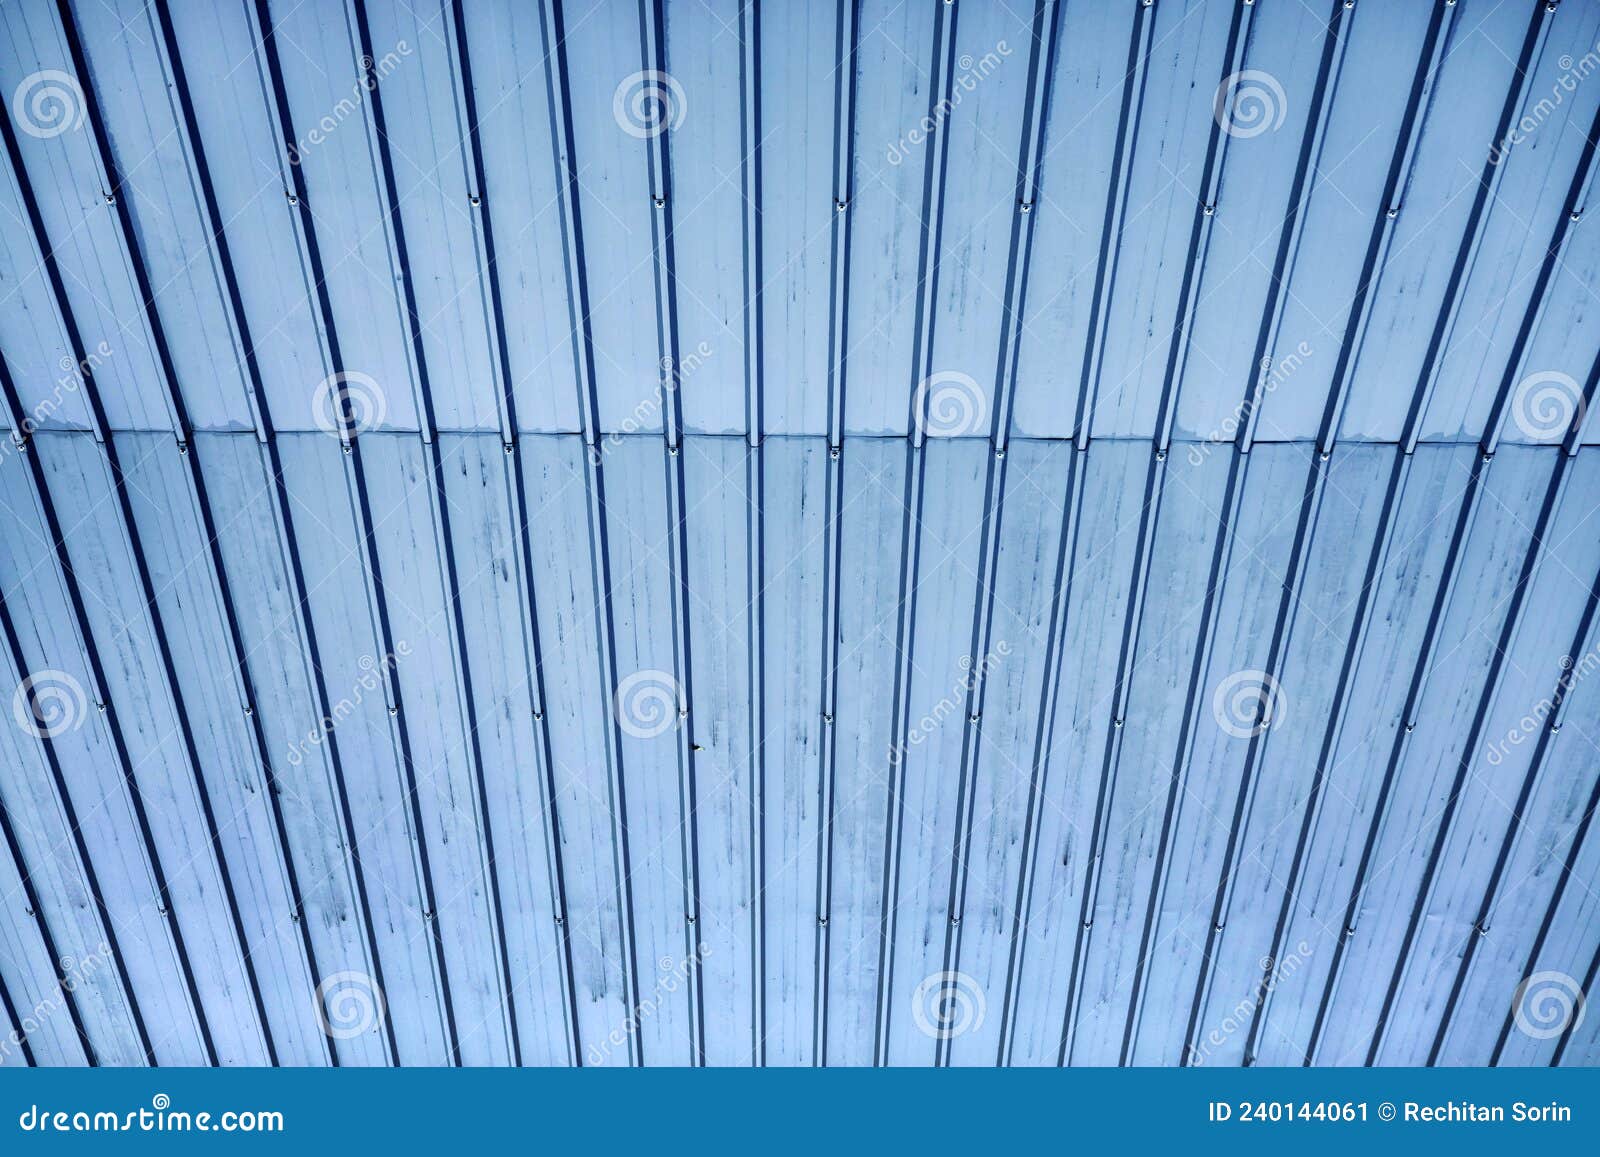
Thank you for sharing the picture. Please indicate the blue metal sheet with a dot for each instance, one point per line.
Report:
(845, 829)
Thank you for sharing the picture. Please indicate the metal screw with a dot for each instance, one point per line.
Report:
(1210, 210)
(1161, 455)
(840, 206)
(394, 710)
(293, 200)
(827, 717)
(1577, 215)
(672, 450)
(660, 202)
(1025, 206)
(473, 200)
(833, 452)
(1393, 213)
(510, 448)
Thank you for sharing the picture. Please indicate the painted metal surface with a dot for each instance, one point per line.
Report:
(721, 532)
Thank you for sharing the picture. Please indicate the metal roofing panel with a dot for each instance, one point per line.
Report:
(622, 681)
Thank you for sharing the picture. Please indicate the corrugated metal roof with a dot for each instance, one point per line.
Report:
(717, 532)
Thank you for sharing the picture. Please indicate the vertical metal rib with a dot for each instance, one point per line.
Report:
(516, 501)
(1043, 743)
(755, 507)
(653, 44)
(355, 480)
(1041, 61)
(932, 219)
(440, 509)
(1117, 190)
(1572, 1025)
(755, 486)
(844, 104)
(566, 166)
(12, 1021)
(1154, 490)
